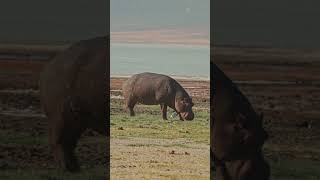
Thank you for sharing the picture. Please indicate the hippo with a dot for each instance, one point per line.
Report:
(74, 96)
(237, 133)
(152, 89)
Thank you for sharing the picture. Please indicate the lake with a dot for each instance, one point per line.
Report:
(169, 59)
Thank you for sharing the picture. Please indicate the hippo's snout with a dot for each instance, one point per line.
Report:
(188, 116)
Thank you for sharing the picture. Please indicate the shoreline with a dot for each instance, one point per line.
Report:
(178, 77)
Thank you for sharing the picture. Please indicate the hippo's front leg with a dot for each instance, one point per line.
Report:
(164, 111)
(180, 117)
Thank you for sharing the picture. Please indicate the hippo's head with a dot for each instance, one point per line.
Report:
(251, 132)
(183, 106)
(243, 136)
(238, 143)
(248, 169)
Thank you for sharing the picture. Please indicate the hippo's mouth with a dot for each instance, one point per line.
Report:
(251, 166)
(187, 116)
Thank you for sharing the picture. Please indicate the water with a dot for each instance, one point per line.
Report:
(169, 59)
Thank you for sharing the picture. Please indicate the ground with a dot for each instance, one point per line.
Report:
(284, 84)
(148, 147)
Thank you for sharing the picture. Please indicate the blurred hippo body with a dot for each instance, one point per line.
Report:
(152, 89)
(74, 96)
(237, 133)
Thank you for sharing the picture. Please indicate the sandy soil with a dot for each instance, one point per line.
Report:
(143, 158)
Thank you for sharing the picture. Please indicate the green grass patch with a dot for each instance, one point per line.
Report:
(148, 123)
(295, 170)
(24, 140)
(98, 173)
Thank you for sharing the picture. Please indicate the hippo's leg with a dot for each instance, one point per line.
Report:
(101, 126)
(130, 103)
(164, 111)
(221, 173)
(54, 136)
(180, 117)
(131, 111)
(64, 137)
(172, 107)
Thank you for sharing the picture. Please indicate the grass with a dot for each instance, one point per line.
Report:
(98, 173)
(151, 125)
(294, 169)
(297, 169)
(24, 140)
(151, 137)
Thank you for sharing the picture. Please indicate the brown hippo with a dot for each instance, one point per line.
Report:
(73, 89)
(151, 89)
(237, 133)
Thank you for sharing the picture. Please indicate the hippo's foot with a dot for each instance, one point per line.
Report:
(72, 165)
(181, 117)
(71, 162)
(66, 158)
(131, 111)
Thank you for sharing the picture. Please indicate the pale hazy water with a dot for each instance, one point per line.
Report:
(170, 59)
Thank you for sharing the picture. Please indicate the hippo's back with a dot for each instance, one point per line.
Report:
(149, 88)
(78, 73)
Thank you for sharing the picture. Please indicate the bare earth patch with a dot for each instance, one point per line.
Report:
(145, 158)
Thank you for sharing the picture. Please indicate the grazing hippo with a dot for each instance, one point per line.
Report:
(237, 133)
(73, 92)
(152, 89)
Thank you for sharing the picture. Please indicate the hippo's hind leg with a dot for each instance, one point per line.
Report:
(164, 111)
(130, 103)
(100, 124)
(64, 135)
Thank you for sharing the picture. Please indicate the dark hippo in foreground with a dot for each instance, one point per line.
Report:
(152, 89)
(74, 96)
(237, 133)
